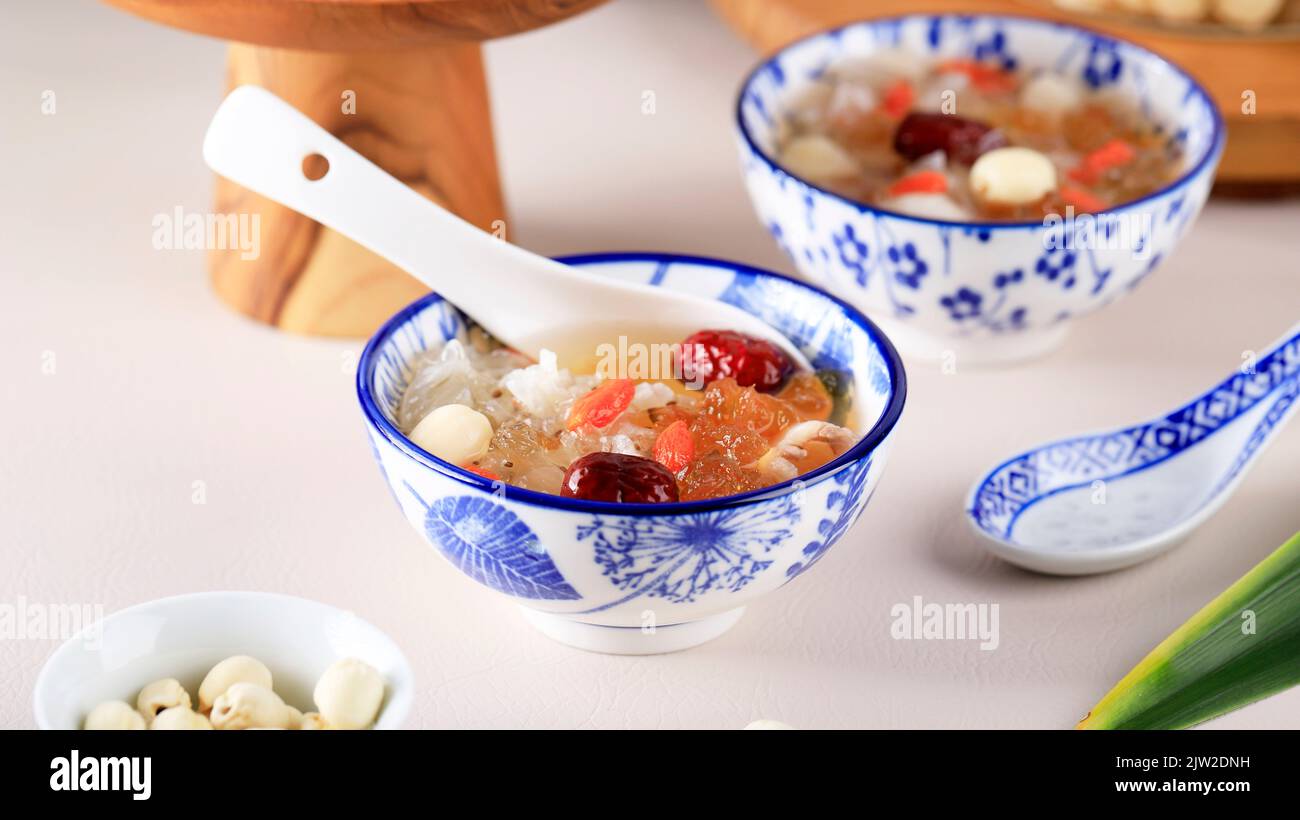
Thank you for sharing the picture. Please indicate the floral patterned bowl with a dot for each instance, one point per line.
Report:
(642, 578)
(983, 291)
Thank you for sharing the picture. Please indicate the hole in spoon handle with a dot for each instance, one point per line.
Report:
(315, 166)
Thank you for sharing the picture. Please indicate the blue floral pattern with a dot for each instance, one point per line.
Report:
(1057, 265)
(994, 50)
(490, 544)
(853, 252)
(843, 505)
(1009, 278)
(683, 557)
(963, 304)
(909, 268)
(1104, 64)
(968, 306)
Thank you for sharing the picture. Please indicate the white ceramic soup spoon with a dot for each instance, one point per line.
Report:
(1110, 500)
(261, 142)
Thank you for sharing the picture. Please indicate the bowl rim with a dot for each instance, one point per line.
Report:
(393, 714)
(861, 449)
(1208, 160)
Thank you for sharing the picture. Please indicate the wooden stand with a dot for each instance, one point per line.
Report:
(402, 84)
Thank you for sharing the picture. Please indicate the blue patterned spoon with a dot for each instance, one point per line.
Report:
(1106, 501)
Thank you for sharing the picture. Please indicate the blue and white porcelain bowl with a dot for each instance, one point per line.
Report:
(642, 578)
(982, 291)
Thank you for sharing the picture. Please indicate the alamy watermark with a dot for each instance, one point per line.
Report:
(921, 621)
(179, 230)
(73, 773)
(24, 620)
(649, 362)
(1128, 230)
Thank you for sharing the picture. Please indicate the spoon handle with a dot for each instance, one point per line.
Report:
(260, 142)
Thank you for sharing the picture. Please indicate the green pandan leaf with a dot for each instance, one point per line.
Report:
(1243, 646)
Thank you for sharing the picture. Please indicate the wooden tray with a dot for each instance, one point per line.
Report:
(1263, 152)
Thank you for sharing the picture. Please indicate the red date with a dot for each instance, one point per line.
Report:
(960, 139)
(709, 355)
(619, 477)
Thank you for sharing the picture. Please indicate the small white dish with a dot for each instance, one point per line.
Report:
(1109, 500)
(184, 636)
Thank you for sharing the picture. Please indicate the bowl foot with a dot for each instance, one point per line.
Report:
(632, 640)
(982, 351)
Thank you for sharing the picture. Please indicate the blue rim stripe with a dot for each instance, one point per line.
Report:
(1208, 160)
(862, 449)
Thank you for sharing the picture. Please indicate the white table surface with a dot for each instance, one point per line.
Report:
(157, 385)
